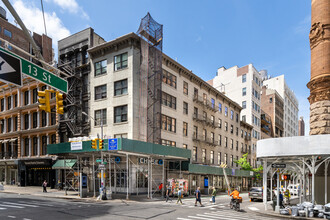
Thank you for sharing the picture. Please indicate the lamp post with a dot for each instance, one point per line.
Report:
(102, 171)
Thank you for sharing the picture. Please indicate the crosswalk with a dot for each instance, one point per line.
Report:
(225, 214)
(23, 204)
(190, 203)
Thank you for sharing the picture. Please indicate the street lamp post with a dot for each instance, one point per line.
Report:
(102, 171)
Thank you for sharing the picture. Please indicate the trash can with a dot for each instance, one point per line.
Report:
(294, 211)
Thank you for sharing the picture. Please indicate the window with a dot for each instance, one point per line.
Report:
(226, 159)
(26, 97)
(185, 108)
(168, 123)
(195, 132)
(43, 118)
(184, 146)
(204, 134)
(226, 111)
(121, 61)
(26, 121)
(185, 128)
(203, 155)
(232, 143)
(35, 95)
(226, 126)
(7, 33)
(53, 116)
(237, 117)
(232, 160)
(120, 114)
(15, 123)
(237, 131)
(169, 79)
(212, 137)
(15, 100)
(195, 112)
(194, 156)
(44, 144)
(9, 125)
(244, 118)
(35, 146)
(53, 139)
(226, 142)
(243, 78)
(26, 147)
(219, 139)
(168, 100)
(121, 87)
(2, 123)
(231, 114)
(9, 102)
(219, 158)
(244, 104)
(236, 145)
(213, 103)
(220, 123)
(35, 119)
(232, 129)
(220, 107)
(100, 115)
(212, 157)
(185, 88)
(100, 92)
(2, 104)
(100, 68)
(168, 143)
(124, 135)
(244, 91)
(270, 100)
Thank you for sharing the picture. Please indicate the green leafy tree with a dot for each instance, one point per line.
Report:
(245, 165)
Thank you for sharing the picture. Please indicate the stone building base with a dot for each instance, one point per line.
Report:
(320, 118)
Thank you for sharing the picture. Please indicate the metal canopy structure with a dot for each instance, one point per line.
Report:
(301, 154)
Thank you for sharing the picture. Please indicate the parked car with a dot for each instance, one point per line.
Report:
(256, 193)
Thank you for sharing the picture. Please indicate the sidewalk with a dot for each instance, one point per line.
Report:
(258, 207)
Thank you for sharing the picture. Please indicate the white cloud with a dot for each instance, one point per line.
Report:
(303, 26)
(72, 7)
(33, 20)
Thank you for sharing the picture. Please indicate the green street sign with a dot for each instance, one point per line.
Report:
(98, 160)
(41, 74)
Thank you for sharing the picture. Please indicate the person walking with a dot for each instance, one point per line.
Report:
(168, 191)
(44, 186)
(179, 196)
(214, 193)
(198, 196)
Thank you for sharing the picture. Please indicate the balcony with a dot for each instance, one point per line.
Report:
(247, 138)
(206, 121)
(206, 103)
(211, 142)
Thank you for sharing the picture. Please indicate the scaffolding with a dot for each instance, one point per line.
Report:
(151, 34)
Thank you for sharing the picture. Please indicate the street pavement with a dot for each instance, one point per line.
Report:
(35, 207)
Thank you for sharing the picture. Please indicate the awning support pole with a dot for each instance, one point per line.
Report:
(78, 175)
(313, 180)
(151, 180)
(110, 190)
(163, 178)
(148, 178)
(127, 176)
(271, 183)
(115, 176)
(277, 208)
(265, 183)
(326, 182)
(304, 181)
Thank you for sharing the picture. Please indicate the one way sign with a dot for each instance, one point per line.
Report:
(10, 69)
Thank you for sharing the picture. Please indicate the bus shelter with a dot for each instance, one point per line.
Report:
(306, 157)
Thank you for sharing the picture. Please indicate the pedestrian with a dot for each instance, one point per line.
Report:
(44, 186)
(214, 193)
(179, 196)
(198, 196)
(168, 191)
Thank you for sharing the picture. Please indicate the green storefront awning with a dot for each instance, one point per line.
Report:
(64, 164)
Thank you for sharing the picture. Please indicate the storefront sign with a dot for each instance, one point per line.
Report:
(76, 145)
(113, 144)
(152, 161)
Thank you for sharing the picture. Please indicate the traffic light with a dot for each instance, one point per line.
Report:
(60, 102)
(100, 144)
(44, 100)
(94, 144)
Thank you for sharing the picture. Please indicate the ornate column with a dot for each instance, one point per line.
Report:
(319, 85)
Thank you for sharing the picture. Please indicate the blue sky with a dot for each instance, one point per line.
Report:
(202, 35)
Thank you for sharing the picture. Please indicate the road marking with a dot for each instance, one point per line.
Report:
(183, 218)
(10, 216)
(37, 203)
(253, 208)
(200, 217)
(11, 203)
(26, 219)
(12, 206)
(2, 208)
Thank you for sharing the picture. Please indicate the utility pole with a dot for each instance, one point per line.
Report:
(102, 171)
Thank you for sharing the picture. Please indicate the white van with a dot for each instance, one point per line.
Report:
(294, 189)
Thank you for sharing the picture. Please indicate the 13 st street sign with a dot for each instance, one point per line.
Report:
(40, 74)
(278, 165)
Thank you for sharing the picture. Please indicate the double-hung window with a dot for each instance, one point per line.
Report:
(120, 114)
(121, 61)
(100, 115)
(100, 67)
(101, 92)
(121, 87)
(168, 123)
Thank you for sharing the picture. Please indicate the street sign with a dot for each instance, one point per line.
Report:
(39, 73)
(10, 69)
(278, 165)
(113, 144)
(101, 166)
(98, 160)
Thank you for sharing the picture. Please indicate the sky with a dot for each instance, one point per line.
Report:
(202, 35)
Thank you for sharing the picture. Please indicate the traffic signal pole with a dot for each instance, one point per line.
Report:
(102, 171)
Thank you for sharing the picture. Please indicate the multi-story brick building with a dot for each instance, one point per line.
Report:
(25, 131)
(272, 105)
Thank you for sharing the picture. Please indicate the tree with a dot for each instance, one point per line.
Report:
(245, 165)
